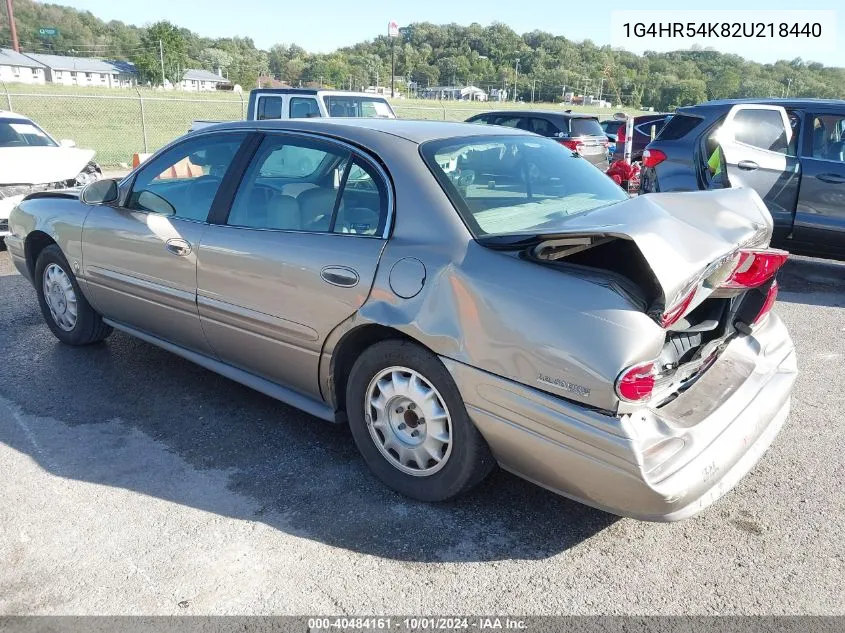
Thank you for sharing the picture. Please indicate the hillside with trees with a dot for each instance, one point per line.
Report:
(429, 54)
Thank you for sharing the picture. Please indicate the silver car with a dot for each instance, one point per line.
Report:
(460, 296)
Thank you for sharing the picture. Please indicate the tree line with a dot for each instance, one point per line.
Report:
(539, 65)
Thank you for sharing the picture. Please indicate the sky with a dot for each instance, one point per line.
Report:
(324, 25)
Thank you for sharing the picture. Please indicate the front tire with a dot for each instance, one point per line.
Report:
(410, 423)
(65, 309)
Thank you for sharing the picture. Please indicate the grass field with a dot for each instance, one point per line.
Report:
(120, 122)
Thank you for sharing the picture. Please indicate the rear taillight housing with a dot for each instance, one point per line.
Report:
(636, 383)
(620, 134)
(653, 157)
(771, 296)
(755, 267)
(673, 314)
(572, 144)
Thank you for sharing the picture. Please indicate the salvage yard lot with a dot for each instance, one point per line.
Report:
(137, 483)
(110, 120)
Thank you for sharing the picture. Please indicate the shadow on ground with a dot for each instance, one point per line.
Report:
(85, 407)
(813, 281)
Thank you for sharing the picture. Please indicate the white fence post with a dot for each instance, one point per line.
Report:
(8, 96)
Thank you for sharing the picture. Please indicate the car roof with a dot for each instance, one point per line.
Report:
(568, 115)
(5, 114)
(357, 130)
(315, 91)
(804, 102)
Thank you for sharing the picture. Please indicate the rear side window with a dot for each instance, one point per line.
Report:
(269, 108)
(543, 127)
(585, 127)
(303, 108)
(761, 128)
(678, 126)
(648, 126)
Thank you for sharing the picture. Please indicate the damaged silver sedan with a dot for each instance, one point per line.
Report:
(462, 297)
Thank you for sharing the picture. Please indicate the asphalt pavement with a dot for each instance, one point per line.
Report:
(133, 482)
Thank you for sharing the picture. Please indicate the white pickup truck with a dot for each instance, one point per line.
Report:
(302, 103)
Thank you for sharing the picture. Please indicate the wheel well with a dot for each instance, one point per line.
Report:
(36, 242)
(350, 348)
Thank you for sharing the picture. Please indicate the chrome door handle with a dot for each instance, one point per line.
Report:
(747, 165)
(340, 276)
(178, 246)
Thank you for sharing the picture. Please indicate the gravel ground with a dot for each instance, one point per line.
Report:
(134, 482)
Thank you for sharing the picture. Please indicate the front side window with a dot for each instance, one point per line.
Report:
(269, 108)
(763, 129)
(336, 193)
(303, 108)
(183, 181)
(829, 137)
(503, 185)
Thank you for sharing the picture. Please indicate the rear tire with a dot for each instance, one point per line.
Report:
(65, 309)
(410, 423)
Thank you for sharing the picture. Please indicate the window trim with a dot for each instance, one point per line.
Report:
(234, 179)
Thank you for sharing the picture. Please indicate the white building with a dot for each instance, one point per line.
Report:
(85, 71)
(18, 68)
(457, 93)
(200, 80)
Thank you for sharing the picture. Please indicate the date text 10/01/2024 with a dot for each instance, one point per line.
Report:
(764, 30)
(416, 623)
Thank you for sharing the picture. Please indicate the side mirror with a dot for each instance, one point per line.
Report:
(100, 192)
(66, 142)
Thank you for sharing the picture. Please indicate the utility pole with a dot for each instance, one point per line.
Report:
(601, 85)
(515, 78)
(533, 85)
(788, 85)
(12, 27)
(161, 57)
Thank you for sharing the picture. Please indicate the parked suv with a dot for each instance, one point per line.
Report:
(304, 103)
(579, 132)
(791, 151)
(643, 126)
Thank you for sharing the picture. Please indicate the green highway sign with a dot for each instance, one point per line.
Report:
(48, 31)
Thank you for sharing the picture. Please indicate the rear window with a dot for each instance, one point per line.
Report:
(585, 127)
(503, 185)
(678, 126)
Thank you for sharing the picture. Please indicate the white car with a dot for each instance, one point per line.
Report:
(31, 160)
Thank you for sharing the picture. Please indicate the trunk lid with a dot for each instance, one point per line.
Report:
(686, 240)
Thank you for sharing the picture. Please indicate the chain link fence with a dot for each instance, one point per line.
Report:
(118, 126)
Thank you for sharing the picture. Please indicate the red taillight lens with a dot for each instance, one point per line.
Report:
(674, 313)
(755, 267)
(575, 146)
(771, 296)
(653, 157)
(636, 383)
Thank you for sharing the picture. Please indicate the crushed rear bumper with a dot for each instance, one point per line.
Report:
(661, 464)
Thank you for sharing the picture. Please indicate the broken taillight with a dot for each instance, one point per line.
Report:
(755, 267)
(771, 296)
(673, 314)
(636, 383)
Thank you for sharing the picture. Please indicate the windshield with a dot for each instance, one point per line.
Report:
(359, 107)
(517, 184)
(23, 133)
